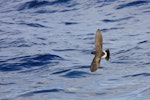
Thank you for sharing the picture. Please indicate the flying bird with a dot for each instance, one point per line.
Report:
(99, 53)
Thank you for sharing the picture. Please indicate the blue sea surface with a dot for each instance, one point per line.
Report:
(45, 48)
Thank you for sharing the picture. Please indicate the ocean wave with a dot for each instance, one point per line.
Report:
(138, 75)
(20, 63)
(37, 4)
(132, 4)
(76, 74)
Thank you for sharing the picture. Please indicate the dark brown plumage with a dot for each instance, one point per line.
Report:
(98, 53)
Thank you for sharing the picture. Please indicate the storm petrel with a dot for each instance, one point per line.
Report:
(99, 53)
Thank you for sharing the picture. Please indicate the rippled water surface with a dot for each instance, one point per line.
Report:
(45, 49)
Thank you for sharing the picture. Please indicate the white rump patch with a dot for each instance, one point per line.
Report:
(105, 54)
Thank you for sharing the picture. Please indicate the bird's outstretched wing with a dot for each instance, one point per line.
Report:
(95, 64)
(98, 41)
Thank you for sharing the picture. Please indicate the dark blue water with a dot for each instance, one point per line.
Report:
(45, 49)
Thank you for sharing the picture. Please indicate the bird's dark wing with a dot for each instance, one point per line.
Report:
(95, 64)
(98, 41)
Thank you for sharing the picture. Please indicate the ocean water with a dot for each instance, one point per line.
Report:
(45, 49)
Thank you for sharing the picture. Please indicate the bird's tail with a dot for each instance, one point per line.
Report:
(106, 54)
